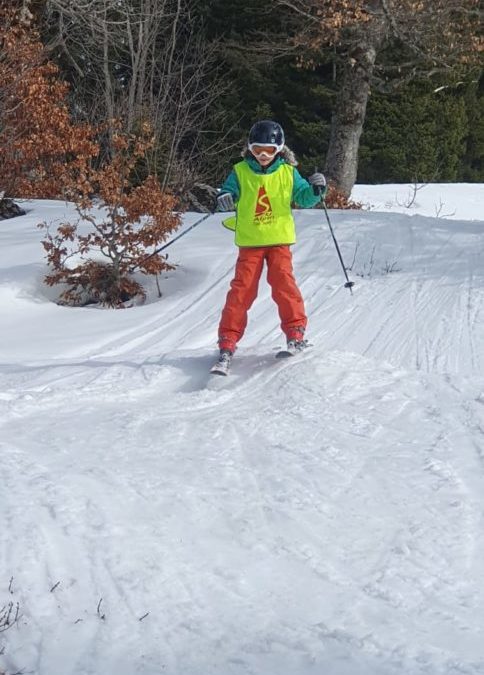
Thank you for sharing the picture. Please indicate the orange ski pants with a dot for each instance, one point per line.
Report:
(244, 287)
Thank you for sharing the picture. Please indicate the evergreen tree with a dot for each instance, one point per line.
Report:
(267, 83)
(472, 160)
(415, 135)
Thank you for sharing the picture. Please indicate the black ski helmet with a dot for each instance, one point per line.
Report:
(266, 132)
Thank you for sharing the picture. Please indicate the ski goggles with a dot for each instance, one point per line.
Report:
(269, 150)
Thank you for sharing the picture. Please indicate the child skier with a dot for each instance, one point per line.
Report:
(261, 188)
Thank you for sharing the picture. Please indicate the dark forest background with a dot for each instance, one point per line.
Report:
(202, 71)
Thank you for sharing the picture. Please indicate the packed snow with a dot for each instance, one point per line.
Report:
(321, 515)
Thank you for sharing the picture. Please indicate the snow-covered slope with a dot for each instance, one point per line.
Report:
(322, 515)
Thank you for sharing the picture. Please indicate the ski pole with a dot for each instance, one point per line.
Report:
(182, 234)
(349, 284)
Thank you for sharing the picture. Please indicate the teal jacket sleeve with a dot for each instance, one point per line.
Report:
(303, 193)
(231, 185)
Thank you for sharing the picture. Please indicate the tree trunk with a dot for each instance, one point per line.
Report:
(349, 115)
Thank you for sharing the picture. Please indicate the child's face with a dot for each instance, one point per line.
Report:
(264, 160)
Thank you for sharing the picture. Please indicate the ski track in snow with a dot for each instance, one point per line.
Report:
(322, 514)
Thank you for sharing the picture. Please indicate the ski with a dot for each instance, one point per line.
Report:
(224, 361)
(292, 349)
(284, 354)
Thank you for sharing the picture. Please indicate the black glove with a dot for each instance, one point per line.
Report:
(318, 181)
(225, 202)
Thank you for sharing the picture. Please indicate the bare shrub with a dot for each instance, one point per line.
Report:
(336, 199)
(98, 266)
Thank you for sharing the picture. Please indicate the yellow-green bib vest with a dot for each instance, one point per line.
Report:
(264, 216)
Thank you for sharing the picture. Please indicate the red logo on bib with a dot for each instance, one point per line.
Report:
(263, 205)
